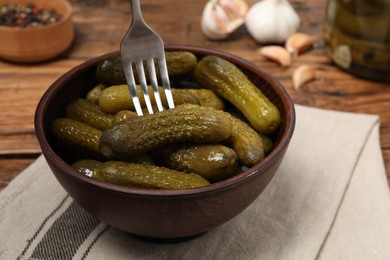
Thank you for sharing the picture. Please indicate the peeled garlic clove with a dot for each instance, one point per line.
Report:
(271, 21)
(222, 17)
(277, 53)
(299, 42)
(302, 75)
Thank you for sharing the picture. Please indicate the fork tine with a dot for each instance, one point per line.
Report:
(141, 44)
(165, 79)
(132, 87)
(144, 86)
(153, 81)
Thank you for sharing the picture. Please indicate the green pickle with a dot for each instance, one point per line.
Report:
(180, 63)
(357, 37)
(86, 166)
(185, 123)
(268, 144)
(213, 162)
(228, 81)
(90, 113)
(94, 94)
(146, 176)
(246, 142)
(364, 7)
(374, 27)
(110, 71)
(124, 115)
(77, 135)
(116, 98)
(206, 98)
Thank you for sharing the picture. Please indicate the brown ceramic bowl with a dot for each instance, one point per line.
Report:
(25, 45)
(161, 213)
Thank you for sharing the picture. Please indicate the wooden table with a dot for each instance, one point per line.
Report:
(100, 26)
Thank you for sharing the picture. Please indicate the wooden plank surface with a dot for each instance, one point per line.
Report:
(100, 26)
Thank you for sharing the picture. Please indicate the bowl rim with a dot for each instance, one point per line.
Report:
(65, 19)
(269, 160)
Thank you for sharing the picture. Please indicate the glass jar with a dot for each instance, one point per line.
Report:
(357, 36)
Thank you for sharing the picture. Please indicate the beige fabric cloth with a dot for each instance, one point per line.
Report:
(329, 200)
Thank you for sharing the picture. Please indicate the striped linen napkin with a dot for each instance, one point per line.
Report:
(329, 200)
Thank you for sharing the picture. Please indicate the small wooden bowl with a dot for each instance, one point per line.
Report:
(161, 214)
(37, 44)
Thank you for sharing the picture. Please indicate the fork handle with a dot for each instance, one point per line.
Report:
(136, 10)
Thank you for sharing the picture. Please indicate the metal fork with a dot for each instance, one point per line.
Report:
(142, 45)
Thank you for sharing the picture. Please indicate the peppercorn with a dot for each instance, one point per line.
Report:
(27, 15)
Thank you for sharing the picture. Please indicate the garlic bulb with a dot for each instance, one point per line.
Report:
(222, 17)
(272, 21)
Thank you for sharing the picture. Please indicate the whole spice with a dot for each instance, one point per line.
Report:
(272, 21)
(27, 15)
(222, 17)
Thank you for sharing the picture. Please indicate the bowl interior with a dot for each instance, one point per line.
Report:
(77, 82)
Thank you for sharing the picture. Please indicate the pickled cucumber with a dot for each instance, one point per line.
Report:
(110, 70)
(116, 98)
(146, 176)
(183, 123)
(364, 7)
(226, 80)
(77, 135)
(213, 162)
(246, 142)
(180, 63)
(206, 98)
(124, 115)
(86, 166)
(90, 113)
(94, 94)
(366, 27)
(267, 143)
(366, 53)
